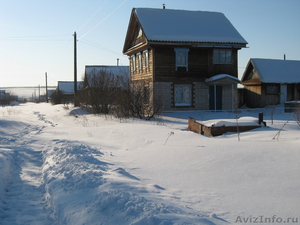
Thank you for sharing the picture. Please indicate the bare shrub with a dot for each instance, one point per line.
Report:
(138, 101)
(114, 94)
(296, 114)
(102, 90)
(56, 97)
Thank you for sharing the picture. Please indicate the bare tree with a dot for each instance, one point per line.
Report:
(111, 93)
(101, 91)
(139, 101)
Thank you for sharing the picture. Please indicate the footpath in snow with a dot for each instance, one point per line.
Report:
(57, 168)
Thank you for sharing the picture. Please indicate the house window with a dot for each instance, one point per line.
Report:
(183, 95)
(139, 55)
(222, 56)
(146, 56)
(133, 63)
(140, 34)
(182, 57)
(272, 89)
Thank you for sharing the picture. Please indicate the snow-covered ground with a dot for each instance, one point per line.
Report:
(59, 165)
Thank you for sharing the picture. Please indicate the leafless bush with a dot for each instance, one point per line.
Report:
(102, 90)
(114, 94)
(296, 114)
(56, 97)
(139, 101)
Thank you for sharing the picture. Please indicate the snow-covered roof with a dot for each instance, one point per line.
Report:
(67, 87)
(187, 26)
(277, 71)
(92, 71)
(220, 77)
(116, 70)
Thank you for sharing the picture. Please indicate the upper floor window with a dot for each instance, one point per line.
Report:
(182, 57)
(146, 56)
(139, 56)
(222, 56)
(133, 63)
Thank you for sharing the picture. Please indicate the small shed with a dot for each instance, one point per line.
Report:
(271, 82)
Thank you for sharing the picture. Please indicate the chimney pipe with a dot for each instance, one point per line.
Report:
(164, 6)
(117, 61)
(284, 56)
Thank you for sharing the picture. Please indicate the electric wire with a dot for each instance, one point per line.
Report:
(92, 16)
(33, 38)
(93, 44)
(103, 19)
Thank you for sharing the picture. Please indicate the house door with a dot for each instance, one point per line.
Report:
(215, 97)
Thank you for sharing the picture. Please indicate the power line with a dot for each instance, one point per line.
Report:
(36, 36)
(103, 19)
(92, 16)
(87, 42)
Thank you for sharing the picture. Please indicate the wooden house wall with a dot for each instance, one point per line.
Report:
(256, 97)
(253, 96)
(268, 99)
(200, 65)
(143, 74)
(230, 69)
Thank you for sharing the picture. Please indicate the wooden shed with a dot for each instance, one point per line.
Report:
(271, 82)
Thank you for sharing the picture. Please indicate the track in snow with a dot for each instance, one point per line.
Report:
(25, 203)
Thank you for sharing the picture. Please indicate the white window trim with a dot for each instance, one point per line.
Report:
(140, 65)
(185, 52)
(133, 62)
(183, 103)
(146, 54)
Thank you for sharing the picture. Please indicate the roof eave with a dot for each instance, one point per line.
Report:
(200, 44)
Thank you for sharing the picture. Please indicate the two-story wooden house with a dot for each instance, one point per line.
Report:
(187, 58)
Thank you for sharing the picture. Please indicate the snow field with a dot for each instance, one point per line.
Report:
(89, 169)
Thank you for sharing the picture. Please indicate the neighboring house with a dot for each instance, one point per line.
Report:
(92, 73)
(65, 90)
(271, 81)
(102, 86)
(187, 58)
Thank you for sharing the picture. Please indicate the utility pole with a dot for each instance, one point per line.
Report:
(46, 88)
(75, 69)
(39, 93)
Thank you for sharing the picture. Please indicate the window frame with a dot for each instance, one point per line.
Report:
(186, 98)
(181, 58)
(133, 62)
(272, 89)
(146, 56)
(222, 56)
(140, 65)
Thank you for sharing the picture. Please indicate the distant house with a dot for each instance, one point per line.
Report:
(187, 58)
(103, 84)
(271, 81)
(65, 91)
(92, 73)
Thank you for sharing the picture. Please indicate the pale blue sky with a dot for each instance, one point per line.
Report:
(36, 36)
